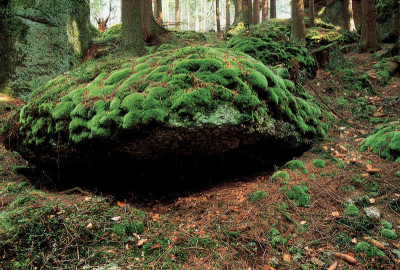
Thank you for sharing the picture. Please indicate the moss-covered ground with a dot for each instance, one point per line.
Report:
(333, 199)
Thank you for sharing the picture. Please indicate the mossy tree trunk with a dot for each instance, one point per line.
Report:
(349, 24)
(369, 40)
(256, 11)
(177, 13)
(272, 11)
(158, 11)
(238, 11)
(131, 33)
(150, 28)
(217, 16)
(264, 10)
(228, 13)
(246, 12)
(311, 13)
(298, 28)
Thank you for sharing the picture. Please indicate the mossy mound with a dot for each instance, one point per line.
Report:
(385, 141)
(272, 53)
(191, 101)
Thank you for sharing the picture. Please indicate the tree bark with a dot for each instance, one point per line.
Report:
(264, 11)
(311, 12)
(272, 9)
(177, 11)
(246, 12)
(349, 24)
(368, 41)
(256, 11)
(238, 11)
(188, 15)
(131, 33)
(217, 16)
(228, 14)
(150, 28)
(298, 28)
(158, 11)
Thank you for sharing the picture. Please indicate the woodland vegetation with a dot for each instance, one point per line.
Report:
(180, 134)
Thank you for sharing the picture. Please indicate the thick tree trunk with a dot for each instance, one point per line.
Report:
(238, 11)
(228, 13)
(298, 27)
(368, 41)
(264, 10)
(177, 11)
(246, 12)
(131, 33)
(150, 28)
(256, 11)
(311, 13)
(349, 24)
(158, 11)
(217, 16)
(272, 11)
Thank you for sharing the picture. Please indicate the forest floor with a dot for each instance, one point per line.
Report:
(246, 223)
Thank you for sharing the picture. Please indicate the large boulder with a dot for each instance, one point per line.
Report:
(192, 105)
(40, 40)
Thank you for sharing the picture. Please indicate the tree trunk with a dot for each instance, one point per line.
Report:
(298, 28)
(158, 11)
(349, 24)
(368, 41)
(238, 11)
(131, 33)
(177, 14)
(205, 16)
(256, 11)
(149, 26)
(228, 14)
(217, 16)
(311, 12)
(264, 10)
(188, 15)
(272, 11)
(196, 11)
(246, 12)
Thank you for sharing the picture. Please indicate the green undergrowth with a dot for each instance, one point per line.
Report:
(189, 87)
(296, 165)
(385, 72)
(299, 195)
(384, 141)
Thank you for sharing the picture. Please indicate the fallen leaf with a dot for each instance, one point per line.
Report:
(268, 267)
(89, 226)
(60, 212)
(354, 240)
(303, 222)
(335, 214)
(374, 170)
(286, 257)
(141, 242)
(369, 166)
(172, 257)
(372, 200)
(121, 204)
(325, 148)
(358, 140)
(346, 257)
(235, 208)
(341, 147)
(365, 175)
(127, 246)
(116, 218)
(333, 266)
(156, 217)
(88, 199)
(155, 246)
(110, 251)
(242, 215)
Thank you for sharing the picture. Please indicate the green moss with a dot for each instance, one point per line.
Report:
(63, 110)
(350, 210)
(296, 165)
(369, 250)
(258, 195)
(319, 163)
(280, 175)
(24, 200)
(389, 234)
(22, 170)
(386, 224)
(9, 188)
(283, 72)
(117, 76)
(298, 195)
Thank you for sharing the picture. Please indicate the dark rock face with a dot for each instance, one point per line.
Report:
(40, 40)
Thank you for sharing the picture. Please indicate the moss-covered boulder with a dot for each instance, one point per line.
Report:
(176, 104)
(40, 40)
(384, 141)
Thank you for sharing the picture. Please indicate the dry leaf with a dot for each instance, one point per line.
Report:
(358, 140)
(303, 222)
(141, 242)
(121, 204)
(242, 215)
(335, 214)
(110, 251)
(116, 218)
(286, 257)
(127, 246)
(172, 257)
(346, 257)
(156, 217)
(333, 266)
(325, 148)
(364, 175)
(89, 226)
(268, 267)
(354, 240)
(369, 166)
(341, 147)
(88, 199)
(235, 208)
(155, 246)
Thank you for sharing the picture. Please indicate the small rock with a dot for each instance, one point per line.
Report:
(372, 212)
